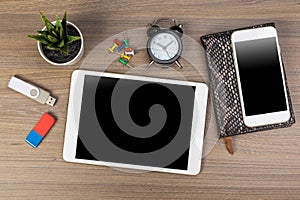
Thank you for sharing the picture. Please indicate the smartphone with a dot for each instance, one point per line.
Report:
(260, 76)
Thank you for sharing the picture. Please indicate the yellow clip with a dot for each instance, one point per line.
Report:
(113, 48)
(126, 57)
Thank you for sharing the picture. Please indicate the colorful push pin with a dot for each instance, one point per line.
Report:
(120, 48)
(125, 42)
(129, 53)
(40, 130)
(128, 49)
(125, 57)
(111, 49)
(125, 63)
(119, 43)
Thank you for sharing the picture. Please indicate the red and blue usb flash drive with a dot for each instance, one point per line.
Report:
(40, 130)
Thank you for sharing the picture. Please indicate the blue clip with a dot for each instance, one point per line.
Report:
(120, 48)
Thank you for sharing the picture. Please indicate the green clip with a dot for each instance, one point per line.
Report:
(122, 61)
(125, 42)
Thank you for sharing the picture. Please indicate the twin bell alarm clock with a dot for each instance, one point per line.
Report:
(164, 45)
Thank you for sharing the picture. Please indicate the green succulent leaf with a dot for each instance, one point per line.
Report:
(51, 47)
(61, 44)
(59, 28)
(56, 36)
(65, 49)
(57, 23)
(40, 39)
(52, 39)
(50, 27)
(71, 39)
(64, 25)
(43, 33)
(61, 33)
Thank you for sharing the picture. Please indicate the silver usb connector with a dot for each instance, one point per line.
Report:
(51, 101)
(36, 93)
(44, 97)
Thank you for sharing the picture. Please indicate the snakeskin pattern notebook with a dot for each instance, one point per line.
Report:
(224, 87)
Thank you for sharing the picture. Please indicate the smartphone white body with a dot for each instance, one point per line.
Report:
(260, 76)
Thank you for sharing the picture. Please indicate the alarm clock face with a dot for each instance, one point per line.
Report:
(164, 47)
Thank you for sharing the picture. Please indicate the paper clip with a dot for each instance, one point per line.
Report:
(120, 48)
(131, 53)
(113, 47)
(125, 57)
(125, 42)
(119, 43)
(125, 63)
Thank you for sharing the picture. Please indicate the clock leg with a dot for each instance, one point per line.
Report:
(178, 64)
(148, 66)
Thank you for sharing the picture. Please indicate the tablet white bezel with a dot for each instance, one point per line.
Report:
(73, 115)
(249, 35)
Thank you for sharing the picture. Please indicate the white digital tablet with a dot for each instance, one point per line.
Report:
(135, 122)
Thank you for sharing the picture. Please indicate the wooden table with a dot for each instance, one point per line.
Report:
(265, 165)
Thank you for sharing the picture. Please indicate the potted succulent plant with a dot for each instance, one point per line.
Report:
(60, 42)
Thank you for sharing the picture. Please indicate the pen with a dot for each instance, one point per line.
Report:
(228, 143)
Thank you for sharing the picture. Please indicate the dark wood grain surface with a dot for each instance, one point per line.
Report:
(265, 165)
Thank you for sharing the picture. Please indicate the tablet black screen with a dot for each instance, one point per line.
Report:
(135, 122)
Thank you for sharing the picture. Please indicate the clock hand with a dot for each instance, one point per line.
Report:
(169, 44)
(161, 46)
(164, 49)
(168, 53)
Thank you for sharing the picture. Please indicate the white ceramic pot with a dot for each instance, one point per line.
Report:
(71, 62)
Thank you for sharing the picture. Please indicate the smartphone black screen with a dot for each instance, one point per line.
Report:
(260, 76)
